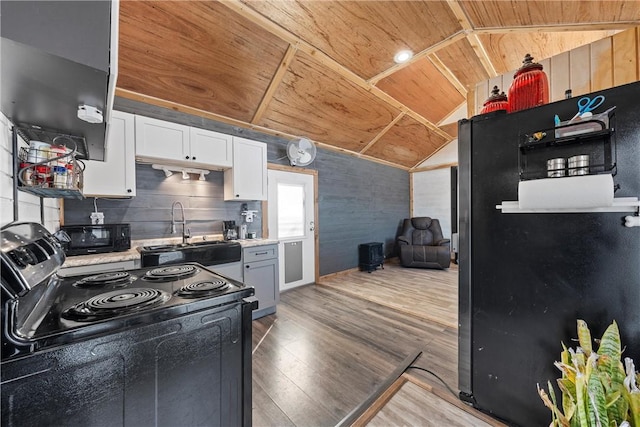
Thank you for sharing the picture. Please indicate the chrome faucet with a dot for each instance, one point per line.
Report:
(186, 233)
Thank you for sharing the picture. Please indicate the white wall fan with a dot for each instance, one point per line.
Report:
(301, 151)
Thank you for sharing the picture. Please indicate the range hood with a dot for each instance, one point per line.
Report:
(54, 57)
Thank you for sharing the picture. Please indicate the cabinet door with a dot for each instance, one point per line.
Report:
(263, 276)
(211, 148)
(232, 270)
(116, 176)
(247, 179)
(157, 139)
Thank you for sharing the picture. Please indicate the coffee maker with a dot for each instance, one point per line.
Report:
(229, 231)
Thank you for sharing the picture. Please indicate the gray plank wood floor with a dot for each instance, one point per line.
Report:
(328, 348)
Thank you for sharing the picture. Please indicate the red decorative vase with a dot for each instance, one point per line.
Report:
(530, 86)
(497, 101)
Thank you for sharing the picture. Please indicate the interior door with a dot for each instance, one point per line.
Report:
(292, 222)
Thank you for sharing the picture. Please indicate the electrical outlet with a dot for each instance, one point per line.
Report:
(97, 218)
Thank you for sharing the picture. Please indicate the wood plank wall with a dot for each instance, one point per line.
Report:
(149, 213)
(359, 201)
(612, 61)
(432, 196)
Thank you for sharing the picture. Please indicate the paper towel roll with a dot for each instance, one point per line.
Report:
(589, 191)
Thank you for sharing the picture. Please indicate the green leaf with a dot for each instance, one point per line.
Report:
(610, 342)
(597, 401)
(584, 337)
(582, 400)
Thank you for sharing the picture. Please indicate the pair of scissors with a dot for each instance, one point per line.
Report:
(587, 105)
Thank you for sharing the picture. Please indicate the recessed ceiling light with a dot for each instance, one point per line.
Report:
(402, 56)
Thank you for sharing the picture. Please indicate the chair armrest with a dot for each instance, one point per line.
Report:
(403, 240)
(443, 242)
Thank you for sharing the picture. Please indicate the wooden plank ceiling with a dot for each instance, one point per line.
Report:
(325, 70)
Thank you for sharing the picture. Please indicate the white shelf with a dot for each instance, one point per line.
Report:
(620, 204)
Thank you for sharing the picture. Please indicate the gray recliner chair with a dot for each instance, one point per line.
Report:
(422, 245)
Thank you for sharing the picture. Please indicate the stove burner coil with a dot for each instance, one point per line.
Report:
(203, 288)
(116, 303)
(169, 273)
(112, 278)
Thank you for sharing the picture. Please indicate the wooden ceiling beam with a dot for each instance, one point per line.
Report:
(445, 71)
(433, 167)
(473, 39)
(433, 48)
(146, 99)
(606, 26)
(460, 14)
(417, 168)
(382, 132)
(275, 82)
(482, 54)
(417, 117)
(326, 60)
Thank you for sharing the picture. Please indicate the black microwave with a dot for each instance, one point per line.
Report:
(96, 238)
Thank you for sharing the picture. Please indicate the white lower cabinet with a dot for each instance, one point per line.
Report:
(247, 179)
(261, 272)
(116, 176)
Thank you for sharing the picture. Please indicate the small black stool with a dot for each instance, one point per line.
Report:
(371, 256)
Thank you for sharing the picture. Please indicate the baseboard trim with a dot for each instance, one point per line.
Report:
(390, 260)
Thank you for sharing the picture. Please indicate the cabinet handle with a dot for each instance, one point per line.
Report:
(194, 157)
(237, 195)
(246, 266)
(128, 190)
(186, 157)
(262, 253)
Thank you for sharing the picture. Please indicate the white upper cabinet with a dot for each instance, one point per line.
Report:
(210, 147)
(175, 144)
(162, 141)
(116, 176)
(247, 179)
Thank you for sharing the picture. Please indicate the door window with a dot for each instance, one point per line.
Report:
(290, 211)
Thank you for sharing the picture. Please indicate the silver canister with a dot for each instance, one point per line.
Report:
(556, 167)
(579, 165)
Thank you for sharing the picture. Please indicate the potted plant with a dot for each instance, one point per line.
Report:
(597, 389)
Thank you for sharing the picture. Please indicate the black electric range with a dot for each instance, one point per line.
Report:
(165, 345)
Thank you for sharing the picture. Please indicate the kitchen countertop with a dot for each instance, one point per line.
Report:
(249, 243)
(134, 254)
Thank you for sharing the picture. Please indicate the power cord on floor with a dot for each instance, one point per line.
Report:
(435, 375)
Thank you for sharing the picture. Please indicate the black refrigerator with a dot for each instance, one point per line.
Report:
(524, 278)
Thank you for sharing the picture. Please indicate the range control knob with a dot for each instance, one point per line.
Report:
(23, 257)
